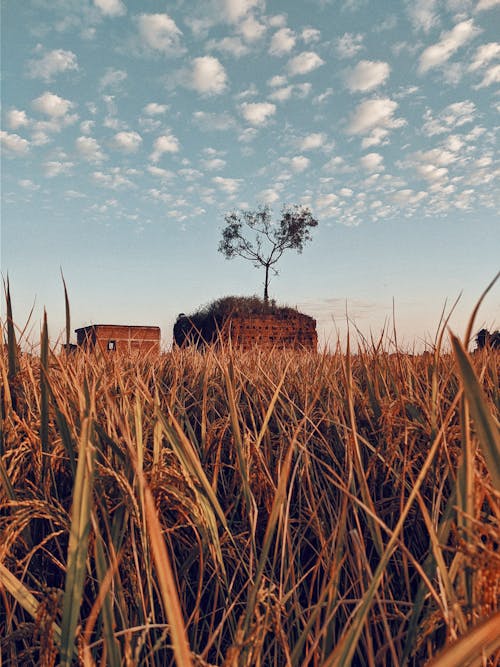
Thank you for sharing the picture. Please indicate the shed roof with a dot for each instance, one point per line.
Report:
(117, 326)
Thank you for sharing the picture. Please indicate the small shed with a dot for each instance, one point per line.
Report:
(119, 338)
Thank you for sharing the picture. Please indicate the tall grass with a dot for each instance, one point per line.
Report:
(257, 508)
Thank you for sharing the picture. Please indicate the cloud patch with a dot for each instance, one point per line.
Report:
(439, 53)
(52, 63)
(13, 143)
(127, 142)
(367, 75)
(166, 143)
(111, 7)
(159, 32)
(257, 113)
(282, 42)
(89, 149)
(52, 105)
(305, 62)
(207, 76)
(373, 114)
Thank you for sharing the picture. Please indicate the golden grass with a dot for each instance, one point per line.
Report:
(257, 508)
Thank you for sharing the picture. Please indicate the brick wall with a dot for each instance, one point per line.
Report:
(287, 330)
(120, 338)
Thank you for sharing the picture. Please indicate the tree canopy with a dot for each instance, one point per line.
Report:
(253, 236)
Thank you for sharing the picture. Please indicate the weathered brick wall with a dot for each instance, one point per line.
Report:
(126, 338)
(293, 331)
(282, 330)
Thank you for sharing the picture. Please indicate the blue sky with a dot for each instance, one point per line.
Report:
(130, 128)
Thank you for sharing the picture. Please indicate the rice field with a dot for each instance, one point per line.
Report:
(258, 508)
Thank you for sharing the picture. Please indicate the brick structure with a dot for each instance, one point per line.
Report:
(119, 338)
(289, 329)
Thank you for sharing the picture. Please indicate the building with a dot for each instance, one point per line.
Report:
(284, 329)
(119, 338)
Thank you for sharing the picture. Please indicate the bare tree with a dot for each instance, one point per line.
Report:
(253, 236)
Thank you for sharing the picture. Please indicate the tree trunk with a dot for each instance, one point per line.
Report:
(266, 286)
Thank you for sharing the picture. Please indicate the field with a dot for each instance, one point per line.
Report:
(258, 508)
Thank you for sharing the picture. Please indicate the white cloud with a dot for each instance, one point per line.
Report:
(232, 45)
(268, 196)
(484, 55)
(128, 142)
(155, 109)
(431, 172)
(277, 81)
(492, 75)
(282, 42)
(207, 76)
(111, 7)
(162, 174)
(112, 78)
(450, 41)
(235, 10)
(346, 192)
(16, 118)
(257, 113)
(14, 143)
(89, 149)
(251, 29)
(453, 116)
(113, 180)
(486, 4)
(367, 75)
(305, 62)
(349, 45)
(167, 143)
(281, 94)
(160, 33)
(27, 184)
(322, 97)
(52, 63)
(299, 163)
(310, 35)
(377, 137)
(372, 162)
(227, 185)
(437, 156)
(52, 105)
(209, 122)
(214, 164)
(326, 200)
(375, 113)
(86, 126)
(248, 135)
(56, 167)
(423, 14)
(312, 141)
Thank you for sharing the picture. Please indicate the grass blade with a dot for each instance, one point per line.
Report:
(486, 428)
(78, 542)
(477, 645)
(167, 584)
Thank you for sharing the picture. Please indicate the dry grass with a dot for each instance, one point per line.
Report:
(259, 508)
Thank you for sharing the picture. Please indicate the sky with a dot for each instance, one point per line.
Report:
(130, 129)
